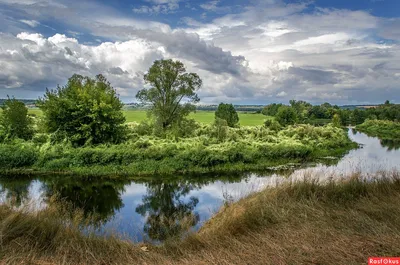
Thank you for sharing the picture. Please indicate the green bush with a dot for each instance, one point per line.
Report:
(84, 111)
(17, 155)
(272, 125)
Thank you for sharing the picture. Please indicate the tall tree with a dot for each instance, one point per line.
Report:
(171, 93)
(14, 120)
(85, 111)
(227, 112)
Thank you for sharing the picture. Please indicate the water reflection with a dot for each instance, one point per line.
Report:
(391, 144)
(168, 212)
(100, 200)
(15, 191)
(159, 208)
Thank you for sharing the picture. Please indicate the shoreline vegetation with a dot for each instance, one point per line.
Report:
(300, 221)
(210, 149)
(383, 129)
(82, 130)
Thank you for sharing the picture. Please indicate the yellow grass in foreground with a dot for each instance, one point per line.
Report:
(295, 223)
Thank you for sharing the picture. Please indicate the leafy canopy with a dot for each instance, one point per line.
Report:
(14, 120)
(286, 116)
(227, 112)
(170, 86)
(85, 111)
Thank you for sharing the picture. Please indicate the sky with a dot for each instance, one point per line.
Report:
(246, 52)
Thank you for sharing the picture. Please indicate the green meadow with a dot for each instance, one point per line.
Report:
(206, 117)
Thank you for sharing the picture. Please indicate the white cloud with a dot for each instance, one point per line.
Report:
(267, 51)
(32, 23)
(281, 94)
(36, 60)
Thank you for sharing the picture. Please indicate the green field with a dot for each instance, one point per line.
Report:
(245, 118)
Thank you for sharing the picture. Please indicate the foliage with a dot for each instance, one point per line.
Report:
(385, 130)
(286, 116)
(85, 111)
(17, 155)
(142, 128)
(336, 120)
(211, 148)
(324, 113)
(170, 86)
(301, 108)
(272, 125)
(271, 110)
(15, 121)
(184, 128)
(221, 129)
(227, 112)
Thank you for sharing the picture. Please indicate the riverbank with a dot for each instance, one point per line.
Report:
(240, 149)
(341, 222)
(384, 130)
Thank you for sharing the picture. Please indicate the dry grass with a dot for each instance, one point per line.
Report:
(296, 223)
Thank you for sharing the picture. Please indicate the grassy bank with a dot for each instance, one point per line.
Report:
(241, 149)
(306, 222)
(385, 130)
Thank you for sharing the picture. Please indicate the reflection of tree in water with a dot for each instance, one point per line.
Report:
(16, 191)
(390, 144)
(168, 213)
(98, 199)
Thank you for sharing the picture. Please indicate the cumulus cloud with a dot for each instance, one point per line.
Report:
(31, 59)
(266, 51)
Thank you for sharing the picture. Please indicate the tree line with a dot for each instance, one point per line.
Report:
(88, 111)
(304, 112)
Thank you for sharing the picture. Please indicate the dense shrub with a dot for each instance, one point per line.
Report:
(272, 124)
(204, 151)
(17, 154)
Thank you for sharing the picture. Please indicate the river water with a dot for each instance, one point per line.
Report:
(155, 209)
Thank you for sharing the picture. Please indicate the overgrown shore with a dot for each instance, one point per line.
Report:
(384, 130)
(302, 222)
(209, 150)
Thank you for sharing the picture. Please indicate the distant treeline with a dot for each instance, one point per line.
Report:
(249, 108)
(27, 102)
(304, 112)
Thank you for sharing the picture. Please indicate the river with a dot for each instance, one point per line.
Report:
(155, 209)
